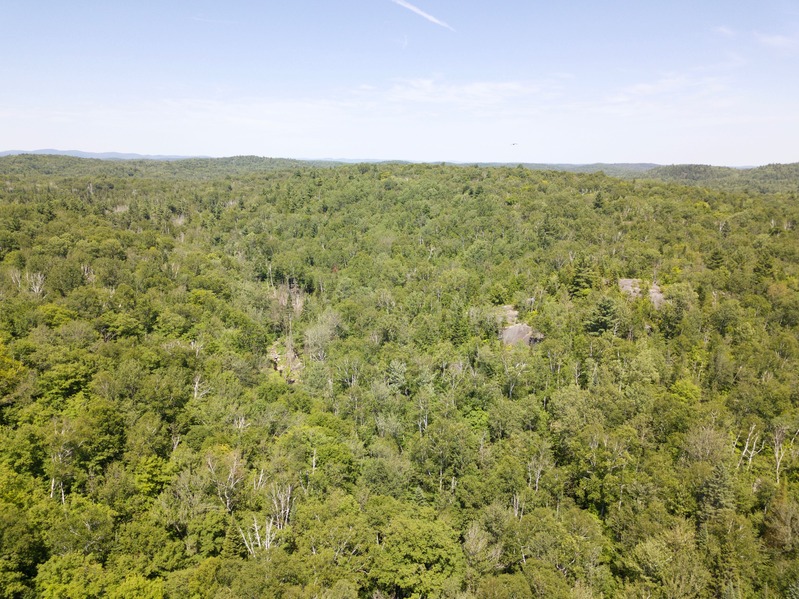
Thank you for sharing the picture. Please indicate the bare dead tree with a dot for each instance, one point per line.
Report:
(200, 388)
(16, 277)
(258, 537)
(282, 502)
(782, 440)
(35, 283)
(750, 449)
(227, 474)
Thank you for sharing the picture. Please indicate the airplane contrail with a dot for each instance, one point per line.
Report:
(422, 13)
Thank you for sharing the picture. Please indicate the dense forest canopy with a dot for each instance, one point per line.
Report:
(249, 378)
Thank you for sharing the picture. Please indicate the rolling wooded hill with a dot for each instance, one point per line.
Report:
(254, 378)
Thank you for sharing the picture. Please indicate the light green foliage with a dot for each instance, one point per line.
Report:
(671, 564)
(334, 540)
(21, 549)
(136, 585)
(11, 372)
(417, 556)
(80, 526)
(70, 576)
(505, 586)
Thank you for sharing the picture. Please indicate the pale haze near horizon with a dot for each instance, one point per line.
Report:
(431, 80)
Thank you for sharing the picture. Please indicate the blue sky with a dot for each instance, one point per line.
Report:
(430, 80)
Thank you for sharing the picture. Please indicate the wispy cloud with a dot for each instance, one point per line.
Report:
(780, 42)
(469, 96)
(725, 31)
(204, 19)
(660, 87)
(682, 97)
(422, 13)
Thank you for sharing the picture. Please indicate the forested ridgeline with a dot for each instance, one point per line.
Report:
(178, 168)
(763, 179)
(394, 380)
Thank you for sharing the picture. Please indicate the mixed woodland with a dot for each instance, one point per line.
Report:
(262, 378)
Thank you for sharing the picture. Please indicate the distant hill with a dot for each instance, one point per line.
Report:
(186, 168)
(769, 178)
(97, 155)
(622, 170)
(57, 162)
(611, 169)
